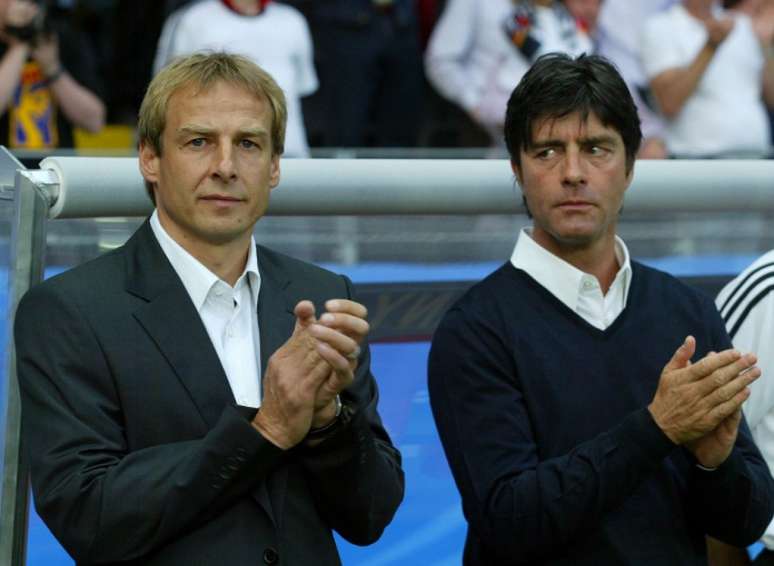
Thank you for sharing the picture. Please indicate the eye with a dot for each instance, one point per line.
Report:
(197, 142)
(247, 144)
(546, 153)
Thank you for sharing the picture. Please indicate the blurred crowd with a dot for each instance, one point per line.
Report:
(395, 73)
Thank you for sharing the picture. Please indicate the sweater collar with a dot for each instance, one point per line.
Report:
(578, 290)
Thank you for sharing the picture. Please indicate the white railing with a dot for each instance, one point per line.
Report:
(104, 186)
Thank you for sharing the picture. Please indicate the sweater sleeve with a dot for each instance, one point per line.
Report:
(515, 503)
(734, 503)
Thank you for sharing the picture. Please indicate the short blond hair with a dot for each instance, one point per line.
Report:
(203, 70)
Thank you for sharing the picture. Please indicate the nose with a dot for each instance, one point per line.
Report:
(224, 167)
(574, 172)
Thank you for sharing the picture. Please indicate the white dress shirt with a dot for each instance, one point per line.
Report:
(580, 291)
(229, 314)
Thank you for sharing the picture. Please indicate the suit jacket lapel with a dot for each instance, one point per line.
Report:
(171, 320)
(275, 308)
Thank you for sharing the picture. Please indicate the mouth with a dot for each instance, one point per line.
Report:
(221, 200)
(574, 205)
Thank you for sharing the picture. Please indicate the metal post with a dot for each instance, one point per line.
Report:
(28, 239)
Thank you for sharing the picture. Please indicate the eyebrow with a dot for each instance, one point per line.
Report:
(593, 140)
(205, 131)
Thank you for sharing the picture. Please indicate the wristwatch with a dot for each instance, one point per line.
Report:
(342, 417)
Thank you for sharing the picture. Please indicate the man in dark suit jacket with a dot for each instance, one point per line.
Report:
(140, 447)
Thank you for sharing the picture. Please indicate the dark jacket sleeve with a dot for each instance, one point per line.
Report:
(356, 473)
(734, 503)
(517, 505)
(102, 501)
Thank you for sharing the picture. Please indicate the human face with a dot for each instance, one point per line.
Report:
(216, 168)
(573, 179)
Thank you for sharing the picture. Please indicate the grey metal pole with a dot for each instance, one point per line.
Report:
(28, 240)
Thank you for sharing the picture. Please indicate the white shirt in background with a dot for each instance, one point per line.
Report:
(278, 40)
(471, 61)
(725, 116)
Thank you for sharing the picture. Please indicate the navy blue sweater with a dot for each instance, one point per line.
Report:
(544, 422)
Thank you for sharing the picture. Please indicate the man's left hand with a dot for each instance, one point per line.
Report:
(712, 449)
(340, 331)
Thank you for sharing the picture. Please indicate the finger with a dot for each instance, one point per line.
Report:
(337, 340)
(305, 315)
(722, 394)
(353, 326)
(713, 362)
(726, 374)
(682, 355)
(347, 306)
(342, 374)
(725, 410)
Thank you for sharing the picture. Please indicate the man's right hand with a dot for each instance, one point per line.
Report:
(693, 399)
(293, 376)
(718, 30)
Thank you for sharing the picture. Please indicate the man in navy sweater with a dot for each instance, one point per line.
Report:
(590, 407)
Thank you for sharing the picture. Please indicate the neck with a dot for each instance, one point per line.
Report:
(700, 9)
(226, 260)
(246, 7)
(597, 259)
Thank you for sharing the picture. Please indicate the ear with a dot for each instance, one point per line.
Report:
(274, 175)
(629, 177)
(149, 163)
(516, 171)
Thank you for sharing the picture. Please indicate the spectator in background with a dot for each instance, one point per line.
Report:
(370, 64)
(618, 39)
(747, 307)
(273, 35)
(586, 14)
(761, 12)
(48, 78)
(479, 51)
(707, 71)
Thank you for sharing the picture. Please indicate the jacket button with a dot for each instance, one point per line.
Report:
(270, 556)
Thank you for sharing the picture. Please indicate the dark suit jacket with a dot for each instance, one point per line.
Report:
(137, 450)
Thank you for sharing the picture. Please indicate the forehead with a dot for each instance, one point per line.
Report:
(218, 104)
(574, 126)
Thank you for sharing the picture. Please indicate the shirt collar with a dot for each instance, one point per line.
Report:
(562, 279)
(198, 279)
